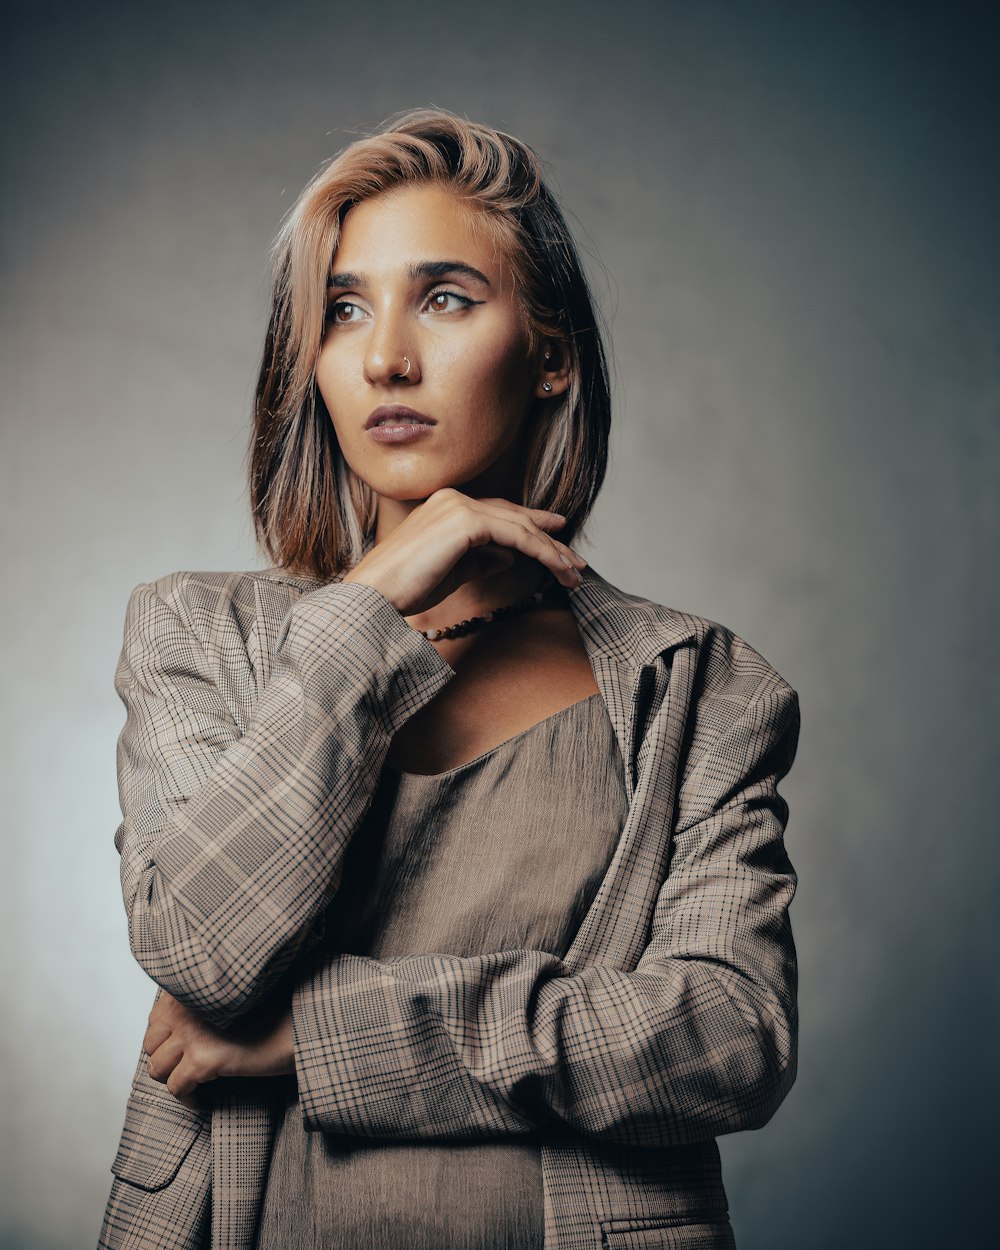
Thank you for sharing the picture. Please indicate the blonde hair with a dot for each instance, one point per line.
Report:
(312, 514)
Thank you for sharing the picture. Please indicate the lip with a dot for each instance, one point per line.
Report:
(389, 411)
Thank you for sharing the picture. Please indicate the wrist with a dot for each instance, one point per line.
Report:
(356, 578)
(285, 1047)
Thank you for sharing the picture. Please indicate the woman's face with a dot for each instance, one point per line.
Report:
(414, 280)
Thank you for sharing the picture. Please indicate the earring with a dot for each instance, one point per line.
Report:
(546, 386)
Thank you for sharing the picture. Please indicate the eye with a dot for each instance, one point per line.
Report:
(342, 311)
(439, 301)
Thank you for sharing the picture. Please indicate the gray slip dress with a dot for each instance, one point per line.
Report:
(503, 852)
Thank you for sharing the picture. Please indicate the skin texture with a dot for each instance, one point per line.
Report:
(450, 544)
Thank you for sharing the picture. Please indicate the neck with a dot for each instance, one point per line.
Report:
(482, 594)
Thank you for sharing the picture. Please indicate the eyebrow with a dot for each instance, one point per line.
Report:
(422, 269)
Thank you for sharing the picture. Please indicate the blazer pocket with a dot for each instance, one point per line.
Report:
(156, 1140)
(713, 1234)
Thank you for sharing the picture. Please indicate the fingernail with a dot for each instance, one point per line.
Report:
(566, 560)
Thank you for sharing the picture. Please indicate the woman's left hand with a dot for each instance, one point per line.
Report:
(185, 1052)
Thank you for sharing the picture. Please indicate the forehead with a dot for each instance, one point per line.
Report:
(412, 223)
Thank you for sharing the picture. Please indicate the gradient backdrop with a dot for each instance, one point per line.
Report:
(790, 213)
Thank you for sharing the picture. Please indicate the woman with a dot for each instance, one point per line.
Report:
(460, 870)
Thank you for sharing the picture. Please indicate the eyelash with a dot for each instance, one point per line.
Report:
(464, 300)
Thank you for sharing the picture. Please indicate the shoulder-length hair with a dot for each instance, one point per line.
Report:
(312, 514)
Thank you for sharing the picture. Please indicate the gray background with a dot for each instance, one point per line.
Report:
(790, 212)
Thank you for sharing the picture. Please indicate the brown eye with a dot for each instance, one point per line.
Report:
(439, 302)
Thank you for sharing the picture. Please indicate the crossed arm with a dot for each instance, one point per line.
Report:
(232, 842)
(699, 1039)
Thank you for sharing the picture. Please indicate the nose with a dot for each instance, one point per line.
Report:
(388, 358)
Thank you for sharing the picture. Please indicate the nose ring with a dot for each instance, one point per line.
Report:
(407, 359)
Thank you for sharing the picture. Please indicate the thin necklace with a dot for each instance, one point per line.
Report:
(510, 609)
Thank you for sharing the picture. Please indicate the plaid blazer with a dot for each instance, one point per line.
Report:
(260, 708)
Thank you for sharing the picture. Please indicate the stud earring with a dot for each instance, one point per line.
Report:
(546, 386)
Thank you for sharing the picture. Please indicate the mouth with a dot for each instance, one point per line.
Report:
(397, 414)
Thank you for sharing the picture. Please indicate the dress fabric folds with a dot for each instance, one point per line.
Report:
(503, 852)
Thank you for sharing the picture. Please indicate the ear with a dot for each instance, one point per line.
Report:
(553, 371)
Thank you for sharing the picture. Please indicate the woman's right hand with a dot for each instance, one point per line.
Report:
(452, 538)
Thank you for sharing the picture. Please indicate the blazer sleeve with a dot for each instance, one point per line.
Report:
(231, 844)
(700, 1039)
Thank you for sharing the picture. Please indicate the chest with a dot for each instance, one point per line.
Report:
(505, 684)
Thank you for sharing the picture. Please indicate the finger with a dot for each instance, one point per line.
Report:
(546, 520)
(182, 1082)
(154, 1037)
(539, 518)
(523, 537)
(164, 1059)
(162, 1015)
(165, 1006)
(574, 557)
(194, 1069)
(526, 515)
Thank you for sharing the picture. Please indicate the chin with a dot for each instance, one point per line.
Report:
(417, 482)
(416, 485)
(411, 491)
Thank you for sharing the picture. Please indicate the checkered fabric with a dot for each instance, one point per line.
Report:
(259, 711)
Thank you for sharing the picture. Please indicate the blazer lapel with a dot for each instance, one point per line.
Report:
(624, 635)
(631, 644)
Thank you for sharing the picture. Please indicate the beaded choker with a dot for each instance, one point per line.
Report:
(477, 622)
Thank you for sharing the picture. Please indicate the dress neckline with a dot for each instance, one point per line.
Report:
(501, 746)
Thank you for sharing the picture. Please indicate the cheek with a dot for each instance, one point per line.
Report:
(329, 373)
(495, 382)
(332, 382)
